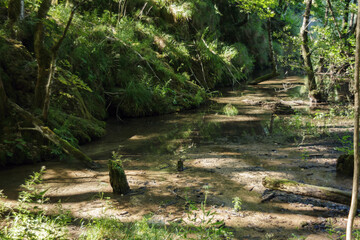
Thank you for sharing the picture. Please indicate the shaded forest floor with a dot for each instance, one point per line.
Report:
(229, 146)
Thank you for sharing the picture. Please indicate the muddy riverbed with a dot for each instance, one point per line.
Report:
(230, 154)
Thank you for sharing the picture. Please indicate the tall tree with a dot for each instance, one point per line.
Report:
(3, 100)
(43, 55)
(271, 48)
(354, 196)
(15, 12)
(46, 58)
(305, 50)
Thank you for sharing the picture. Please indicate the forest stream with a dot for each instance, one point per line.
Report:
(229, 153)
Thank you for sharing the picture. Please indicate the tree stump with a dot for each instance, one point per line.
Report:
(180, 165)
(118, 179)
(345, 165)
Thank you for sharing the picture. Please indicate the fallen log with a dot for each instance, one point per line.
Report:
(324, 193)
(264, 78)
(51, 136)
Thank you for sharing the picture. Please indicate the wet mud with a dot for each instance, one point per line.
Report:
(230, 154)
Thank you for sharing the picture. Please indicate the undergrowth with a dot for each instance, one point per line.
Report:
(29, 220)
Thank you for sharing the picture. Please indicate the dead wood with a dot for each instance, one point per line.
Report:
(264, 78)
(48, 134)
(324, 193)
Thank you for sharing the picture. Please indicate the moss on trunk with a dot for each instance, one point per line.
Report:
(118, 179)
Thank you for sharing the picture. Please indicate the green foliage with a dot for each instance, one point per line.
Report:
(237, 204)
(75, 129)
(3, 206)
(296, 128)
(159, 57)
(136, 99)
(200, 224)
(31, 192)
(4, 3)
(230, 110)
(263, 8)
(117, 160)
(347, 145)
(26, 224)
(69, 79)
(160, 71)
(202, 221)
(16, 150)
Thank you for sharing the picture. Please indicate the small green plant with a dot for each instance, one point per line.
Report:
(296, 237)
(230, 110)
(31, 192)
(269, 236)
(237, 204)
(16, 145)
(118, 158)
(305, 156)
(326, 118)
(202, 221)
(24, 223)
(347, 145)
(2, 204)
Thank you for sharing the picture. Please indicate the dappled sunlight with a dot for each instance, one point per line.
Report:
(231, 154)
(234, 119)
(289, 80)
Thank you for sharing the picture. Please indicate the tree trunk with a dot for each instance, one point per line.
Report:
(118, 179)
(14, 10)
(3, 101)
(355, 188)
(305, 51)
(43, 55)
(325, 193)
(345, 21)
(264, 78)
(47, 96)
(271, 47)
(46, 59)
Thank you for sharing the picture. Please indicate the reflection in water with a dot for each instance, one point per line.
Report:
(165, 134)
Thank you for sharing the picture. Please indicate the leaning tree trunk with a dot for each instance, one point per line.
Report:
(118, 179)
(3, 101)
(305, 51)
(50, 135)
(354, 199)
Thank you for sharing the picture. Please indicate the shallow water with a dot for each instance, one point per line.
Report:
(229, 153)
(165, 134)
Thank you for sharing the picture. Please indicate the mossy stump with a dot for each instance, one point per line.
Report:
(180, 165)
(118, 179)
(345, 165)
